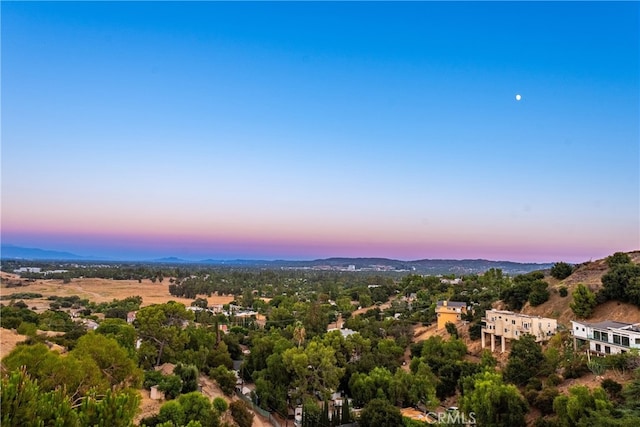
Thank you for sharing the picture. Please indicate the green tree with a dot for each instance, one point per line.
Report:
(200, 302)
(188, 375)
(539, 293)
(76, 376)
(121, 331)
(313, 369)
(561, 270)
(112, 409)
(24, 403)
(516, 295)
(112, 360)
(584, 301)
(622, 283)
(583, 407)
(494, 403)
(170, 385)
(225, 378)
(525, 360)
(197, 407)
(172, 412)
(160, 327)
(346, 411)
(451, 329)
(380, 413)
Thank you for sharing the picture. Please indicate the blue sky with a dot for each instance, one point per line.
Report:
(304, 130)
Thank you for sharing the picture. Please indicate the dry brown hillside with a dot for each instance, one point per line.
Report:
(590, 275)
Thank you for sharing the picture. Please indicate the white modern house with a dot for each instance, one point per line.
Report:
(607, 337)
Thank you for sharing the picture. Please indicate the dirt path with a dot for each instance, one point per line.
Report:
(383, 306)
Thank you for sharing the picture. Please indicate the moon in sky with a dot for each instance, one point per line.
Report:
(518, 97)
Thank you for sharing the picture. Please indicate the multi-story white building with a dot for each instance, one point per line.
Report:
(510, 325)
(608, 337)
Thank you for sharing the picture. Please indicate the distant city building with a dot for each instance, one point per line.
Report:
(28, 270)
(510, 325)
(450, 311)
(608, 337)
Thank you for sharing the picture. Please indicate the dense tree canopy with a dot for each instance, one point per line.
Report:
(161, 329)
(525, 360)
(493, 403)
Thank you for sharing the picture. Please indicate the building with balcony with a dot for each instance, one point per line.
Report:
(510, 325)
(608, 337)
(450, 311)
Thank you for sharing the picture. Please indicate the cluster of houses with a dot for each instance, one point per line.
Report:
(498, 326)
(602, 338)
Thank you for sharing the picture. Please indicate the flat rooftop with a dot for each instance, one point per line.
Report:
(612, 324)
(511, 313)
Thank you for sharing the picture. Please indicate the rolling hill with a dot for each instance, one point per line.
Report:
(589, 274)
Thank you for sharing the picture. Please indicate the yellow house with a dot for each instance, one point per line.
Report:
(449, 311)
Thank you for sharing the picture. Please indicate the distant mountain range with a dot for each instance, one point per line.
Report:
(17, 252)
(424, 266)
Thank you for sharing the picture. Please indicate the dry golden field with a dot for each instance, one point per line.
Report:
(101, 290)
(97, 290)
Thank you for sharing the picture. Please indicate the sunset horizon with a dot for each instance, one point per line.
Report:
(308, 130)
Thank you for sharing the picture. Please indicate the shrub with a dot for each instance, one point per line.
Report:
(561, 270)
(240, 413)
(584, 301)
(20, 304)
(534, 384)
(189, 376)
(553, 380)
(539, 293)
(613, 388)
(171, 385)
(152, 378)
(544, 400)
(531, 395)
(28, 329)
(563, 291)
(220, 404)
(576, 367)
(618, 258)
(225, 378)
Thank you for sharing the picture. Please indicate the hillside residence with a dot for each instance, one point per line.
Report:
(450, 311)
(510, 325)
(608, 337)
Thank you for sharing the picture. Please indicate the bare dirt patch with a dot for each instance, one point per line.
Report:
(589, 274)
(8, 341)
